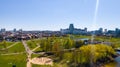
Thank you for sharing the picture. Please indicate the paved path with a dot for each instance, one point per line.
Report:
(36, 47)
(13, 53)
(10, 46)
(29, 52)
(27, 48)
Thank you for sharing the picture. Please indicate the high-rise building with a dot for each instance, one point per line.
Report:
(116, 30)
(71, 28)
(101, 30)
(105, 30)
(20, 30)
(14, 30)
(85, 29)
(3, 30)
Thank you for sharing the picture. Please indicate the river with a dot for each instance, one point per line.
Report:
(116, 62)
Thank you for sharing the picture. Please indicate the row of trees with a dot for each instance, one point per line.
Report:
(88, 55)
(81, 55)
(58, 44)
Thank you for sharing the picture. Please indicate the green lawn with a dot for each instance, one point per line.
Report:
(54, 65)
(35, 55)
(35, 65)
(6, 44)
(32, 44)
(9, 60)
(14, 49)
(17, 48)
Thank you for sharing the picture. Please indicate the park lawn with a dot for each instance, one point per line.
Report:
(35, 55)
(35, 65)
(54, 65)
(16, 48)
(7, 44)
(32, 44)
(38, 49)
(8, 60)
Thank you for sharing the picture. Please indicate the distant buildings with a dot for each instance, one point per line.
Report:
(15, 35)
(20, 30)
(99, 32)
(72, 30)
(3, 30)
(115, 33)
(14, 30)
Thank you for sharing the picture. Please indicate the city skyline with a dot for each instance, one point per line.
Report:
(55, 14)
(20, 29)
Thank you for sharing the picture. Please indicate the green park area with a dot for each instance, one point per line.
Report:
(9, 60)
(13, 53)
(5, 44)
(64, 51)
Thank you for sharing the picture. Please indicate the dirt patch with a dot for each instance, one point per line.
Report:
(42, 61)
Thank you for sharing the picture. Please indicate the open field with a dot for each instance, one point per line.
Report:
(9, 60)
(18, 47)
(5, 44)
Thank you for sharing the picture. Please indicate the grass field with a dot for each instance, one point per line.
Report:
(54, 65)
(9, 60)
(2, 45)
(18, 47)
(32, 44)
(18, 59)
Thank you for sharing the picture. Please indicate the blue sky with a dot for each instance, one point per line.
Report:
(57, 14)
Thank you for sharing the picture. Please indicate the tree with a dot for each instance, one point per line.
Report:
(56, 48)
(98, 51)
(79, 44)
(69, 43)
